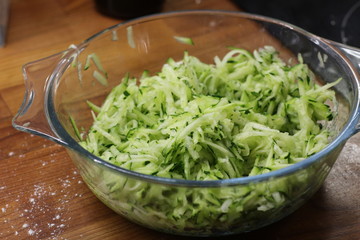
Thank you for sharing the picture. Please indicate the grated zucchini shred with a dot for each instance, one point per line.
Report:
(245, 114)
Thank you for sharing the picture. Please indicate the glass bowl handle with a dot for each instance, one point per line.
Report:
(32, 115)
(352, 53)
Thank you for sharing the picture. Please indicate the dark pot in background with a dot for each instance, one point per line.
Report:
(127, 9)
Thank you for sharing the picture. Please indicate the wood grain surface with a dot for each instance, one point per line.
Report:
(42, 195)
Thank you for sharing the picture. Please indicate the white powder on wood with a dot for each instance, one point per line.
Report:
(41, 201)
(31, 232)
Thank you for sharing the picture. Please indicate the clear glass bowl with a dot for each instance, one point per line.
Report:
(58, 87)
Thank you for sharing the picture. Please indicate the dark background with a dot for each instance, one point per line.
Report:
(338, 20)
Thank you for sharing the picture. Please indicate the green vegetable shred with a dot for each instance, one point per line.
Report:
(245, 114)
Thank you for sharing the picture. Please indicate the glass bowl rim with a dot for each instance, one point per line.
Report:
(69, 142)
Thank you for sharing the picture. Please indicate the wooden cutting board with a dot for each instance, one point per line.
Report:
(42, 195)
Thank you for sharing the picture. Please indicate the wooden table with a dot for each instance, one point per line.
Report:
(42, 195)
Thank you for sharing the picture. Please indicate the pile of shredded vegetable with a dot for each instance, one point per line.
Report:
(245, 114)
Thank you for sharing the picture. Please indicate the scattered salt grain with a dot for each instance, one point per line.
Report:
(31, 232)
(38, 205)
(11, 154)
